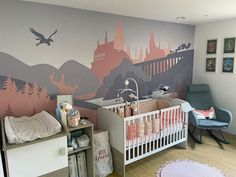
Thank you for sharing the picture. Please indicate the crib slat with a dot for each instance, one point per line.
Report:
(141, 146)
(171, 125)
(166, 129)
(161, 129)
(174, 124)
(150, 136)
(137, 140)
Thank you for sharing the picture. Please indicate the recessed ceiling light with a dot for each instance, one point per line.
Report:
(181, 18)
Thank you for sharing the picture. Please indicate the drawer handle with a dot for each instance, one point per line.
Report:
(62, 151)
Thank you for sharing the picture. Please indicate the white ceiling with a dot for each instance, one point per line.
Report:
(195, 11)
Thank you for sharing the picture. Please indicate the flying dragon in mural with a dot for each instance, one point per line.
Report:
(40, 37)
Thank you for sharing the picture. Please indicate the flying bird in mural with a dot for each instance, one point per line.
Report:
(41, 38)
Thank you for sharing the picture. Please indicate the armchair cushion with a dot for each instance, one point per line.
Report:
(211, 124)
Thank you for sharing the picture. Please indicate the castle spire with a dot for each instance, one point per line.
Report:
(152, 44)
(140, 57)
(105, 37)
(146, 53)
(119, 39)
(128, 50)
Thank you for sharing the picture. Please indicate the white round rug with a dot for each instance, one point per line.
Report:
(188, 168)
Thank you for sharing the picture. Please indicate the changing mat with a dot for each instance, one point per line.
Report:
(22, 129)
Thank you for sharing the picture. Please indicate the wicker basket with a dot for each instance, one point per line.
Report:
(73, 121)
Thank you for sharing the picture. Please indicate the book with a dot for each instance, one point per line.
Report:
(73, 171)
(81, 164)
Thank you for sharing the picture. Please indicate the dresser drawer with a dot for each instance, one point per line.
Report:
(38, 159)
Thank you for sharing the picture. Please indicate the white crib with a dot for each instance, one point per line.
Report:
(173, 129)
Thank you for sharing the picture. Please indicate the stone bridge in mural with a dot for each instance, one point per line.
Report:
(160, 65)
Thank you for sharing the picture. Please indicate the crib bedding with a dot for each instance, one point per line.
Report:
(23, 129)
(154, 136)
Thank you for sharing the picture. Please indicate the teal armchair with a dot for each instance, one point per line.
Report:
(199, 97)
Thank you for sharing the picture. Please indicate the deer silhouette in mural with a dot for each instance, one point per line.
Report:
(40, 37)
(62, 87)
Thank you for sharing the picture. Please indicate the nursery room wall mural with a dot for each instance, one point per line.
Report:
(48, 50)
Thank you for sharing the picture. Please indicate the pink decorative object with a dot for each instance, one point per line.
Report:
(187, 168)
(127, 111)
(205, 114)
(121, 112)
(165, 119)
(131, 131)
(140, 129)
(134, 109)
(148, 127)
(155, 125)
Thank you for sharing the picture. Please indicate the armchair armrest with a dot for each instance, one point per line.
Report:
(192, 119)
(223, 115)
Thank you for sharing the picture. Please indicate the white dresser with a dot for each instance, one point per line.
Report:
(43, 157)
(1, 167)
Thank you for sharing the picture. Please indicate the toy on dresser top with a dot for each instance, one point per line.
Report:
(69, 116)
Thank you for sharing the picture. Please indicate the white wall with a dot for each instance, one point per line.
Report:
(223, 85)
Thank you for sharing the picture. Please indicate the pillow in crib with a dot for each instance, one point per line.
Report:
(205, 114)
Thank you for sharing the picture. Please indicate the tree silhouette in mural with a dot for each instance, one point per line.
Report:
(26, 101)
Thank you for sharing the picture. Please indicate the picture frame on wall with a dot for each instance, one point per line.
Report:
(211, 46)
(229, 45)
(228, 64)
(210, 64)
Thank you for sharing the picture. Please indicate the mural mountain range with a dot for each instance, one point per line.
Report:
(71, 78)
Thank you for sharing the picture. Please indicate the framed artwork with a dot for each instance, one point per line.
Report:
(65, 99)
(228, 64)
(211, 64)
(211, 46)
(229, 45)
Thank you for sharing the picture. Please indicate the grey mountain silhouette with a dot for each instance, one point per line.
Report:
(73, 71)
(78, 73)
(40, 37)
(117, 77)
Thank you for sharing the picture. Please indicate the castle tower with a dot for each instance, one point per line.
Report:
(154, 51)
(152, 44)
(140, 57)
(119, 40)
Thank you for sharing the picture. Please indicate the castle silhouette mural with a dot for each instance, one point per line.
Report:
(26, 90)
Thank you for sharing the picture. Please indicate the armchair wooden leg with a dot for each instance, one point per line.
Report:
(191, 133)
(217, 138)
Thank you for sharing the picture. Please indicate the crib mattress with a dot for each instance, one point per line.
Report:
(23, 129)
